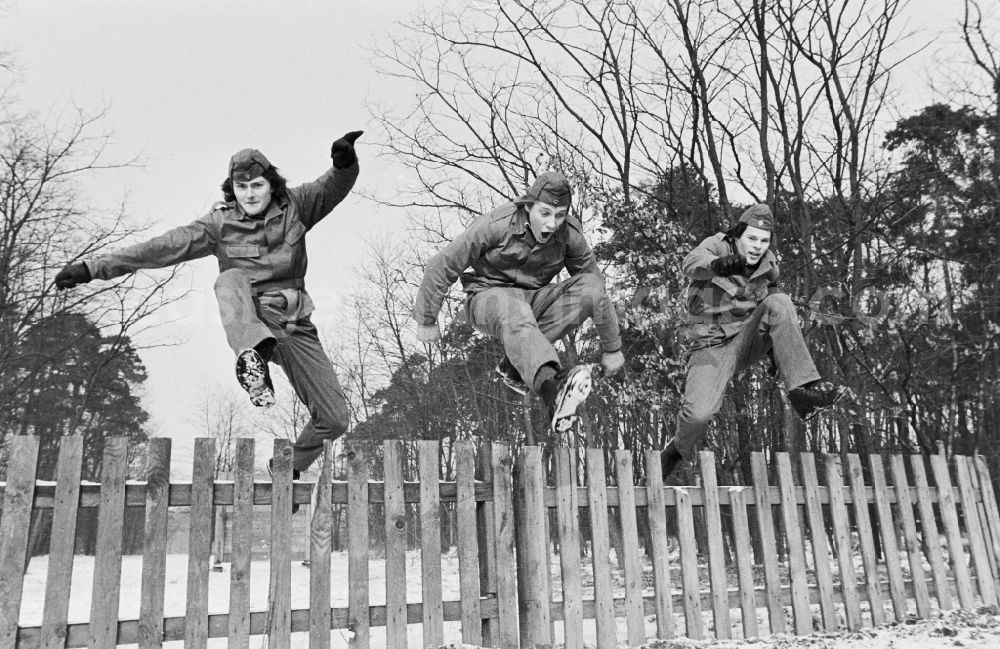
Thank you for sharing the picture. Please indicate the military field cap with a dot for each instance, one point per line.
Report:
(758, 216)
(551, 187)
(247, 164)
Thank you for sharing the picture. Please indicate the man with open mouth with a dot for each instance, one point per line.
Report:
(736, 314)
(507, 260)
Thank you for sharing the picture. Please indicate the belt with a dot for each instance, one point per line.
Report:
(259, 288)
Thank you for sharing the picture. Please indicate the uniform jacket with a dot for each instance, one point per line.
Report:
(271, 248)
(499, 250)
(718, 306)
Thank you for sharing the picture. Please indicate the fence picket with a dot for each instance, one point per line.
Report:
(108, 556)
(931, 534)
(242, 545)
(866, 539)
(796, 548)
(744, 561)
(279, 619)
(716, 553)
(974, 531)
(395, 547)
(635, 623)
(199, 544)
(568, 511)
(468, 550)
(905, 506)
(486, 535)
(597, 499)
(890, 544)
(691, 585)
(765, 523)
(430, 543)
(842, 536)
(981, 472)
(820, 547)
(154, 552)
(949, 516)
(503, 509)
(656, 511)
(320, 537)
(15, 523)
(59, 577)
(358, 513)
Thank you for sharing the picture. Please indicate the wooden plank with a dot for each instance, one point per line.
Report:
(820, 547)
(744, 561)
(842, 535)
(657, 514)
(503, 501)
(358, 513)
(567, 511)
(890, 544)
(765, 523)
(320, 546)
(486, 534)
(395, 547)
(949, 517)
(716, 553)
(532, 549)
(15, 524)
(64, 514)
(866, 538)
(242, 546)
(897, 467)
(992, 516)
(801, 612)
(154, 550)
(468, 548)
(597, 500)
(430, 542)
(690, 584)
(974, 531)
(199, 544)
(279, 629)
(635, 622)
(108, 556)
(931, 534)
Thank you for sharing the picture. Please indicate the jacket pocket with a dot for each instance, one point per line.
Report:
(242, 252)
(294, 232)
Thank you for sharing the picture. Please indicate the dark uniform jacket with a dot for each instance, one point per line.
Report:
(271, 247)
(718, 307)
(502, 252)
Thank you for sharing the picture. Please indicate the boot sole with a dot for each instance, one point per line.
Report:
(572, 395)
(252, 375)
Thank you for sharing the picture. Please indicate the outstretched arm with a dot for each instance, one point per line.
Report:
(318, 198)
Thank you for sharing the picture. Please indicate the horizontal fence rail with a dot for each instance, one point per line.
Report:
(553, 545)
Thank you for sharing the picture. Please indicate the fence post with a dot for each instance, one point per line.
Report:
(532, 545)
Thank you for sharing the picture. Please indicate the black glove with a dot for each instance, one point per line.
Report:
(729, 265)
(342, 152)
(72, 275)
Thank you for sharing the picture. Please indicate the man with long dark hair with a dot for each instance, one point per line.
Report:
(736, 315)
(258, 236)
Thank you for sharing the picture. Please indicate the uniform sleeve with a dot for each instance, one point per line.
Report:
(579, 255)
(192, 241)
(697, 264)
(318, 198)
(580, 259)
(445, 267)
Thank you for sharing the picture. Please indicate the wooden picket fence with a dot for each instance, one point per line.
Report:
(819, 562)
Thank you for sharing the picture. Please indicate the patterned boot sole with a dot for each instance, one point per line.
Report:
(574, 392)
(252, 374)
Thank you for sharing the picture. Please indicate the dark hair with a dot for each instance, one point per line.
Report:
(279, 186)
(734, 232)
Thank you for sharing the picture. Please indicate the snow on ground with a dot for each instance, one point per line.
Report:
(976, 630)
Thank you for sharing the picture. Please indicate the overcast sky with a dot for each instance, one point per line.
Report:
(186, 84)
